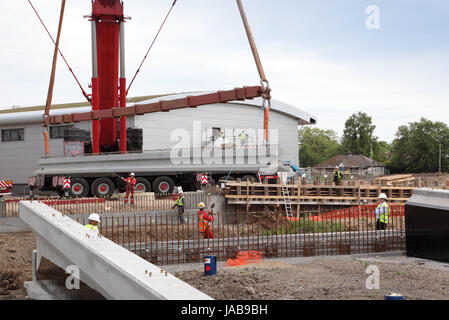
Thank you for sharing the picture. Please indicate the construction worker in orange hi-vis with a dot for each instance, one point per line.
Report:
(211, 218)
(130, 186)
(205, 221)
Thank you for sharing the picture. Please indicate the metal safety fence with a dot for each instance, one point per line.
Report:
(164, 239)
(9, 208)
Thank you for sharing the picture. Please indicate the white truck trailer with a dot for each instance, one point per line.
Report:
(156, 171)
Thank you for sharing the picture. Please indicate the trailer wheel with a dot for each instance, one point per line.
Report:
(142, 185)
(163, 185)
(79, 188)
(103, 187)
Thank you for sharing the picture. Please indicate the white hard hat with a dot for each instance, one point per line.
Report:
(336, 167)
(94, 217)
(382, 196)
(132, 174)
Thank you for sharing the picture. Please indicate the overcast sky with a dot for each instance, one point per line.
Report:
(318, 55)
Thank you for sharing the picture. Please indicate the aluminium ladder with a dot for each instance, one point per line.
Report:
(287, 201)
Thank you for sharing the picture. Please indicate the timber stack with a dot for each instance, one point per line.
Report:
(351, 193)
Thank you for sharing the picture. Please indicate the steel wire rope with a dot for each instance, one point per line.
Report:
(151, 46)
(263, 80)
(62, 56)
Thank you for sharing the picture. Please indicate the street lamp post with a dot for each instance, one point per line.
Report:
(371, 154)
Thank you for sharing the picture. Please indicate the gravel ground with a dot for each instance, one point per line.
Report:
(325, 278)
(311, 278)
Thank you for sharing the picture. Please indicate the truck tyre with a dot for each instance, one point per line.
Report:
(102, 188)
(79, 188)
(163, 185)
(142, 185)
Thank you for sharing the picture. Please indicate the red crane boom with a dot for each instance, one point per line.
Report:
(109, 82)
(107, 37)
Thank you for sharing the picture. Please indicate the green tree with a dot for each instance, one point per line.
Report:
(358, 135)
(416, 147)
(382, 152)
(316, 145)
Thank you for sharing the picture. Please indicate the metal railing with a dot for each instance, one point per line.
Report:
(162, 239)
(9, 208)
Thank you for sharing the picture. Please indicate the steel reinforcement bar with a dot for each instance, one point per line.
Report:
(162, 238)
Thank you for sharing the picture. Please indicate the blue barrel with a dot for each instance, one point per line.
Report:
(394, 296)
(210, 265)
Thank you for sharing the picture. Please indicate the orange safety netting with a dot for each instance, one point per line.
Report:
(358, 212)
(245, 257)
(353, 213)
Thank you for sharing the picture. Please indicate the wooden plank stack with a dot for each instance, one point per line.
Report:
(395, 180)
(249, 193)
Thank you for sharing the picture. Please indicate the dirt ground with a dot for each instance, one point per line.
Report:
(15, 263)
(319, 279)
(312, 279)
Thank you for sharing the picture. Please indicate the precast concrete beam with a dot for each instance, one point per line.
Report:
(427, 224)
(106, 267)
(430, 198)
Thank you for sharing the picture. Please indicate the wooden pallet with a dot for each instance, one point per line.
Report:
(257, 193)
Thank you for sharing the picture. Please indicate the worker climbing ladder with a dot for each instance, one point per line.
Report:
(287, 201)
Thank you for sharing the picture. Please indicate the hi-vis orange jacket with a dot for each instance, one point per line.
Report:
(204, 220)
(130, 183)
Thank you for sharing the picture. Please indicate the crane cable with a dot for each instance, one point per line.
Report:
(151, 46)
(52, 80)
(266, 91)
(62, 56)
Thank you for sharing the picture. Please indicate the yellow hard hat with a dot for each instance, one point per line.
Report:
(201, 205)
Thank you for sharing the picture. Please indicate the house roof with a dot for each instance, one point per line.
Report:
(349, 161)
(34, 114)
